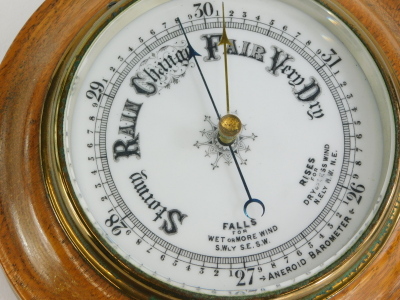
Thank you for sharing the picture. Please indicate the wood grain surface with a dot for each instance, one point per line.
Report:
(36, 255)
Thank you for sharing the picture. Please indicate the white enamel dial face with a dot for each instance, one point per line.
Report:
(146, 166)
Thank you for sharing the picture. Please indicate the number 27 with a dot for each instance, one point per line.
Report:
(240, 274)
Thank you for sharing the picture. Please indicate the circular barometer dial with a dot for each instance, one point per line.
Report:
(153, 192)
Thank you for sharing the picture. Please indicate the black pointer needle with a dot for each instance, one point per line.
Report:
(193, 53)
(251, 200)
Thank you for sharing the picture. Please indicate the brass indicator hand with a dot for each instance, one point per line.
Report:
(225, 41)
(193, 53)
(230, 125)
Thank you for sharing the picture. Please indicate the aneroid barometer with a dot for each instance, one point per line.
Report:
(237, 150)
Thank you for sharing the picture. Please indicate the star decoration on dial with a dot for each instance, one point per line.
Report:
(215, 148)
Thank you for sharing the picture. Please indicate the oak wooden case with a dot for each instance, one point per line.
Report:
(35, 253)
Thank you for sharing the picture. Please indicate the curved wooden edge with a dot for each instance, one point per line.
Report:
(381, 279)
(37, 257)
(382, 19)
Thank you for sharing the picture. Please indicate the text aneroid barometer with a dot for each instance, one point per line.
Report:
(152, 190)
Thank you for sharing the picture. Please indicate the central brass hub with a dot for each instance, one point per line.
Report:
(229, 128)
